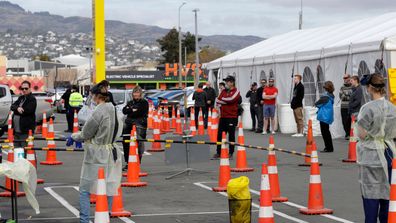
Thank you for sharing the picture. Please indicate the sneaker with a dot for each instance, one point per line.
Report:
(298, 135)
(258, 131)
(273, 132)
(264, 133)
(215, 157)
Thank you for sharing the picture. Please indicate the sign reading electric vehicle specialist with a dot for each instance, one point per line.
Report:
(134, 75)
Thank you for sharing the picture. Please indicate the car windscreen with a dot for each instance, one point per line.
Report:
(119, 97)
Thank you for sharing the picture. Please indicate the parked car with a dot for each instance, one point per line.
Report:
(44, 104)
(148, 93)
(121, 98)
(190, 103)
(165, 94)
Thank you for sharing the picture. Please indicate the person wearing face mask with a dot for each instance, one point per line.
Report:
(356, 98)
(99, 135)
(376, 128)
(325, 115)
(345, 95)
(136, 111)
(24, 118)
(260, 104)
(110, 97)
(252, 95)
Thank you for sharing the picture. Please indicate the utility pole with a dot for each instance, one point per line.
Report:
(196, 79)
(180, 48)
(301, 16)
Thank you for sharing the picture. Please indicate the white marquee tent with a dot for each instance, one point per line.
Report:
(319, 54)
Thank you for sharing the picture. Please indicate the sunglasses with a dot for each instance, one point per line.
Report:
(24, 88)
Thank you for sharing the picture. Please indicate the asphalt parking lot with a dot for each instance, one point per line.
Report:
(189, 198)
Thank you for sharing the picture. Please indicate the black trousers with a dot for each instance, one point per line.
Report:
(326, 135)
(196, 114)
(260, 117)
(227, 125)
(346, 120)
(70, 117)
(254, 116)
(141, 133)
(206, 115)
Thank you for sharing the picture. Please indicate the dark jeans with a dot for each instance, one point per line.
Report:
(260, 118)
(253, 115)
(70, 117)
(326, 135)
(227, 125)
(206, 115)
(141, 133)
(378, 208)
(19, 137)
(196, 114)
(346, 120)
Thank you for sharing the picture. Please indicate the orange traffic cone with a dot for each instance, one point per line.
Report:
(392, 198)
(44, 128)
(102, 209)
(92, 198)
(201, 129)
(315, 197)
(213, 136)
(31, 154)
(308, 146)
(173, 126)
(132, 146)
(75, 122)
(10, 131)
(117, 209)
(209, 127)
(133, 179)
(166, 120)
(150, 116)
(241, 161)
(266, 212)
(193, 128)
(51, 155)
(352, 144)
(156, 146)
(273, 174)
(224, 169)
(179, 128)
(10, 158)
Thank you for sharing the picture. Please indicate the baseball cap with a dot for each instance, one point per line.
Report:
(229, 78)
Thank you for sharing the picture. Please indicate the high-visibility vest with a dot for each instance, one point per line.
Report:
(76, 99)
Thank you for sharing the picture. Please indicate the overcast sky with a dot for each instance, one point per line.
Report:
(263, 18)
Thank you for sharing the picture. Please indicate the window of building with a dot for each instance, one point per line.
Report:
(320, 79)
(309, 86)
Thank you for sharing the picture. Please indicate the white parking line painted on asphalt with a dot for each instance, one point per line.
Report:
(300, 206)
(61, 200)
(200, 184)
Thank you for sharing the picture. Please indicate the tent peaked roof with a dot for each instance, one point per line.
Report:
(307, 44)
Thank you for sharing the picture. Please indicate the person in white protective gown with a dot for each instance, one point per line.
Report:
(376, 128)
(99, 134)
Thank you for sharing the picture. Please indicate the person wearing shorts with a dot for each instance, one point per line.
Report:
(269, 95)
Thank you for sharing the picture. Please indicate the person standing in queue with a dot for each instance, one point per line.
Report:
(326, 115)
(210, 101)
(136, 111)
(75, 103)
(260, 105)
(345, 95)
(106, 84)
(376, 128)
(355, 102)
(65, 100)
(200, 102)
(270, 94)
(297, 105)
(229, 100)
(252, 95)
(99, 135)
(24, 118)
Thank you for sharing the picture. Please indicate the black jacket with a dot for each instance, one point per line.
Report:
(210, 95)
(28, 117)
(200, 98)
(252, 95)
(136, 117)
(298, 96)
(111, 99)
(259, 97)
(66, 97)
(355, 100)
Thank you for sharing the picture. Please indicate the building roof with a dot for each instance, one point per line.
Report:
(351, 37)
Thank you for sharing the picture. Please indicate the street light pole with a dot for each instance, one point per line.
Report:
(300, 24)
(196, 79)
(180, 48)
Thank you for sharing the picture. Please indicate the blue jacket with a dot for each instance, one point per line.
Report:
(326, 111)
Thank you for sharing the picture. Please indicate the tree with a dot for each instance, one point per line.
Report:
(170, 45)
(206, 54)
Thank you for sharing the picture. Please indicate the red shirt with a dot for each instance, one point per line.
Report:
(229, 100)
(270, 91)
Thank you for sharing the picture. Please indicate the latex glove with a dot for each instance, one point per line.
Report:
(69, 141)
(78, 145)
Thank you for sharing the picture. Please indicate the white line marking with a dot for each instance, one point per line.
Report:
(256, 205)
(300, 206)
(147, 154)
(62, 201)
